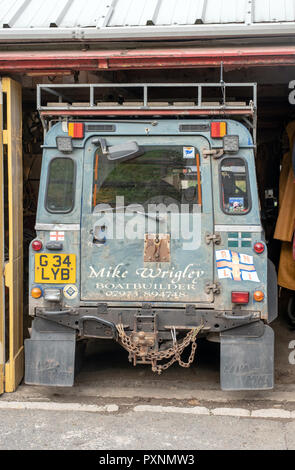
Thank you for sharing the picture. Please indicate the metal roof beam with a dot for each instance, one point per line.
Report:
(103, 19)
(249, 12)
(61, 15)
(202, 5)
(138, 33)
(123, 59)
(153, 20)
(10, 21)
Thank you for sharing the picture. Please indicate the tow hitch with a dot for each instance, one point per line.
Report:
(143, 348)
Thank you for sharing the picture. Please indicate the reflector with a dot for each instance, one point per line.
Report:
(37, 245)
(259, 248)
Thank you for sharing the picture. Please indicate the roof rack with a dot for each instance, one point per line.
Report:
(138, 99)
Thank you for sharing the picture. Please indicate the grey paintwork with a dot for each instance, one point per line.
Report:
(101, 300)
(131, 254)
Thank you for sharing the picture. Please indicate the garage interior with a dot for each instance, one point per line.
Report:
(235, 60)
(274, 113)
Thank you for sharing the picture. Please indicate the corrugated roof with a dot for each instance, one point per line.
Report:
(113, 19)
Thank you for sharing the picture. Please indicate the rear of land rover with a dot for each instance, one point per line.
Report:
(148, 232)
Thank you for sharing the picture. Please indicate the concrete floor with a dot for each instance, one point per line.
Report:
(109, 363)
(87, 431)
(187, 404)
(106, 370)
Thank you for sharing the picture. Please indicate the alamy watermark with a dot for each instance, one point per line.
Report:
(292, 354)
(132, 222)
(292, 93)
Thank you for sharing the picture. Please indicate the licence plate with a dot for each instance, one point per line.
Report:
(55, 268)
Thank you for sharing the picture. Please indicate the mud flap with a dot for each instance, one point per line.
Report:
(50, 354)
(247, 358)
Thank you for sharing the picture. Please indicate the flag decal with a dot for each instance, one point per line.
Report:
(57, 236)
(235, 266)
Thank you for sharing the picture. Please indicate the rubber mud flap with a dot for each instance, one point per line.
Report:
(247, 358)
(50, 355)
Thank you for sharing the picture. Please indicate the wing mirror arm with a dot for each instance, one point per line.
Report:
(102, 143)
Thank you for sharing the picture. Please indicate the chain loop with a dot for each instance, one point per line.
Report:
(174, 353)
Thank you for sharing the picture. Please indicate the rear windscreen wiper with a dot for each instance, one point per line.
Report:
(148, 216)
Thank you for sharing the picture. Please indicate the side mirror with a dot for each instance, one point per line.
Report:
(120, 152)
(124, 151)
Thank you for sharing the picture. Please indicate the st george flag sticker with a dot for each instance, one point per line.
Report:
(57, 236)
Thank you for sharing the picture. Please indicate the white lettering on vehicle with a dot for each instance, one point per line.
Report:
(173, 275)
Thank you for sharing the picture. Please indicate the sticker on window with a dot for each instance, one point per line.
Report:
(236, 204)
(189, 152)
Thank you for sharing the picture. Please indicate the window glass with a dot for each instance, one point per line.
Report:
(61, 191)
(167, 175)
(235, 190)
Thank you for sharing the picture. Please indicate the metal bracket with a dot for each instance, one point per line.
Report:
(215, 153)
(214, 237)
(214, 287)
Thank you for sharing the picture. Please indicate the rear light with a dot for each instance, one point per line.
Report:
(259, 248)
(218, 130)
(240, 297)
(76, 130)
(52, 295)
(258, 296)
(37, 245)
(36, 292)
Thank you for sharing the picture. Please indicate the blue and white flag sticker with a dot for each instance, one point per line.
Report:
(189, 152)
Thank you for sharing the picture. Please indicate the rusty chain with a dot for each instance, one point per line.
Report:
(174, 353)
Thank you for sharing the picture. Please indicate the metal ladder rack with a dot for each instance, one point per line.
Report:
(67, 105)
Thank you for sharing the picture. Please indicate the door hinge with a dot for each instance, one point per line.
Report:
(214, 153)
(214, 237)
(214, 287)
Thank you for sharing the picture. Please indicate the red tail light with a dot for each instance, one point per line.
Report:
(240, 297)
(37, 245)
(218, 130)
(76, 130)
(259, 248)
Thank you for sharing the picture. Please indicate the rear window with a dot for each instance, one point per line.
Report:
(235, 190)
(61, 188)
(163, 174)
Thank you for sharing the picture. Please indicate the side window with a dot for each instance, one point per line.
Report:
(235, 190)
(60, 195)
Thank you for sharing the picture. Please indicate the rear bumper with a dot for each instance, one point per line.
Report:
(246, 359)
(100, 322)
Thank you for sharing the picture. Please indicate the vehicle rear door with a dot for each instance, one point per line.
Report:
(129, 251)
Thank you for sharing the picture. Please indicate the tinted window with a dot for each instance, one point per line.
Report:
(235, 190)
(61, 191)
